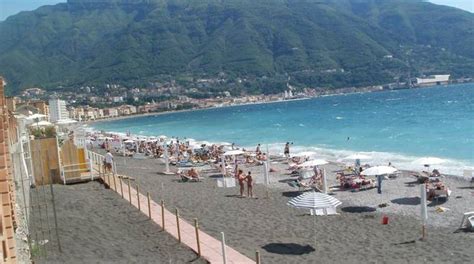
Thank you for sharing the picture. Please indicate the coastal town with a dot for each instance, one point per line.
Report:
(85, 103)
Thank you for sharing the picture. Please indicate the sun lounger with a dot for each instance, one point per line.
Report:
(327, 211)
(302, 185)
(445, 192)
(185, 178)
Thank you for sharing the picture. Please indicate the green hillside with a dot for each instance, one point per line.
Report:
(316, 43)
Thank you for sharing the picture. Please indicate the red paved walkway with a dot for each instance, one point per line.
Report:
(211, 248)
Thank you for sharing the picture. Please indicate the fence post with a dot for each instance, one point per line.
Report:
(129, 192)
(149, 207)
(138, 197)
(121, 187)
(177, 225)
(115, 183)
(162, 215)
(196, 227)
(224, 255)
(108, 180)
(257, 257)
(91, 166)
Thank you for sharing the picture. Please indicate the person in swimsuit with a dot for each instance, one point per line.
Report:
(249, 184)
(241, 177)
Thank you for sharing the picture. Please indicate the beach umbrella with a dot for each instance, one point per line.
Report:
(316, 202)
(234, 152)
(312, 163)
(424, 209)
(304, 154)
(428, 161)
(378, 170)
(35, 116)
(41, 123)
(357, 156)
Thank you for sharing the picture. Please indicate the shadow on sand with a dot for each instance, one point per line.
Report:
(407, 201)
(358, 209)
(216, 176)
(291, 194)
(288, 248)
(438, 201)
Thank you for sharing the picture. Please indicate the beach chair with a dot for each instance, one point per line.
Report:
(302, 186)
(468, 221)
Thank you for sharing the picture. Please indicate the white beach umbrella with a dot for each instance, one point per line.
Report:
(428, 161)
(357, 156)
(312, 163)
(41, 123)
(378, 170)
(234, 152)
(315, 201)
(304, 154)
(34, 116)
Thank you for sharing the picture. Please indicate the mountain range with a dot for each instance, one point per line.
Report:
(312, 43)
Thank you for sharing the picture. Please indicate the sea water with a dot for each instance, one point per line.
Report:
(391, 126)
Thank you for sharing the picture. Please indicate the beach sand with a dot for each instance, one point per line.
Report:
(287, 235)
(98, 226)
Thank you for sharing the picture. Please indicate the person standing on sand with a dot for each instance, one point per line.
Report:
(249, 184)
(257, 151)
(241, 178)
(287, 150)
(108, 160)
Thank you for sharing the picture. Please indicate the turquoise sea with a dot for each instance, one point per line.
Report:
(397, 126)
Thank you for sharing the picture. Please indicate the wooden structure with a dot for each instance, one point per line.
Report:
(7, 190)
(75, 163)
(44, 156)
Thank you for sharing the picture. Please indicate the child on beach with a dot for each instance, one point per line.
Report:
(249, 184)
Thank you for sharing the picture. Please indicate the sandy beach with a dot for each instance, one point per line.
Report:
(286, 235)
(98, 226)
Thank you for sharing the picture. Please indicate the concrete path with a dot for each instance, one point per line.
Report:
(211, 248)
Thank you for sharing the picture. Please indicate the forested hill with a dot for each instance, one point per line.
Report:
(317, 43)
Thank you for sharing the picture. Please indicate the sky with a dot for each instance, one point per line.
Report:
(11, 7)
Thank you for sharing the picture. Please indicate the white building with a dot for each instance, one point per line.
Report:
(57, 110)
(433, 80)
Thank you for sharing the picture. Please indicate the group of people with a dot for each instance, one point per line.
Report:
(242, 178)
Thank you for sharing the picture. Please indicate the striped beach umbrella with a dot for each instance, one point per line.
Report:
(316, 202)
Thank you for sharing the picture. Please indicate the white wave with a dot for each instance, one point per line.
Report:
(339, 117)
(403, 162)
